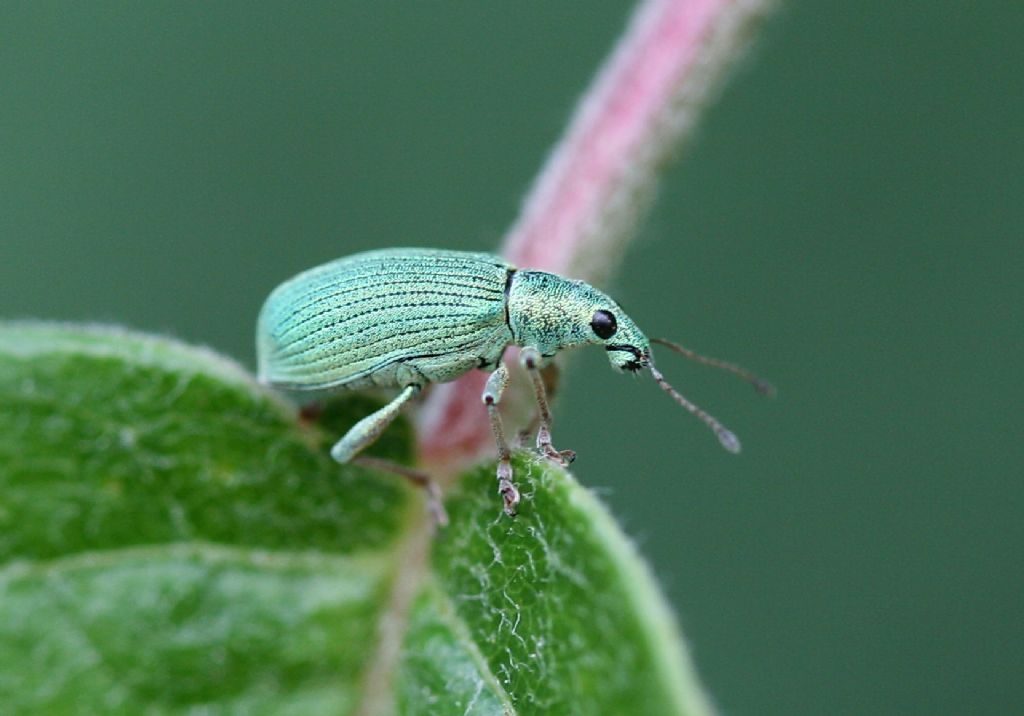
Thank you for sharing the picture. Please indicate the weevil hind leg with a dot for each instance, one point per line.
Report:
(420, 479)
(491, 397)
(366, 431)
(530, 358)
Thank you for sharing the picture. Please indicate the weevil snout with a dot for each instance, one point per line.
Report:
(627, 358)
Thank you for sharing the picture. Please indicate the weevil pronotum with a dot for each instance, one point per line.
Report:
(405, 318)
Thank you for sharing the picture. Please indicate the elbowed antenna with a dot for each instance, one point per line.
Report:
(725, 436)
(760, 385)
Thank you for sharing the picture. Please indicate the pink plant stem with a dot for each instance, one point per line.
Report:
(585, 204)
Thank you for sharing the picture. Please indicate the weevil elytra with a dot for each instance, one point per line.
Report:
(405, 318)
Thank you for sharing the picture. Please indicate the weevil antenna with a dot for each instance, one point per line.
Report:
(725, 436)
(763, 387)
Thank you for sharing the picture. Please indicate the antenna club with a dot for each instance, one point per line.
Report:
(763, 387)
(729, 440)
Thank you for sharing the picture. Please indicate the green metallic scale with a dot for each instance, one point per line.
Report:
(405, 318)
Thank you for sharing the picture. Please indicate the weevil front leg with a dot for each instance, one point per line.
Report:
(491, 397)
(530, 359)
(550, 375)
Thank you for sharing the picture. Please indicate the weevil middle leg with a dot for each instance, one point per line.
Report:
(496, 384)
(530, 359)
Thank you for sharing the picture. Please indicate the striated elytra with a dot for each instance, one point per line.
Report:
(405, 318)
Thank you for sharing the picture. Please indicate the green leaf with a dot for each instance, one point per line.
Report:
(173, 539)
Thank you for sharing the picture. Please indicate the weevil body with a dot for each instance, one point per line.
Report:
(405, 318)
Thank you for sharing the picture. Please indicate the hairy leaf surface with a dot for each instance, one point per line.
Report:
(175, 539)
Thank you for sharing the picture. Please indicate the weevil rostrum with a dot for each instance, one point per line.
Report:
(405, 318)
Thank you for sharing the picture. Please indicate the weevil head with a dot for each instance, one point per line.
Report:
(553, 313)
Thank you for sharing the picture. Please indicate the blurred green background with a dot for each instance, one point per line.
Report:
(848, 221)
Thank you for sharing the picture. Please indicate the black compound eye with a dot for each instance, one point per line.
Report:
(603, 324)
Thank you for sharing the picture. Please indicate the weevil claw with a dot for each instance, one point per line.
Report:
(435, 505)
(507, 489)
(544, 446)
(562, 457)
(510, 496)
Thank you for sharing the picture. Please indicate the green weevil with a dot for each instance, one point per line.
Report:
(405, 318)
